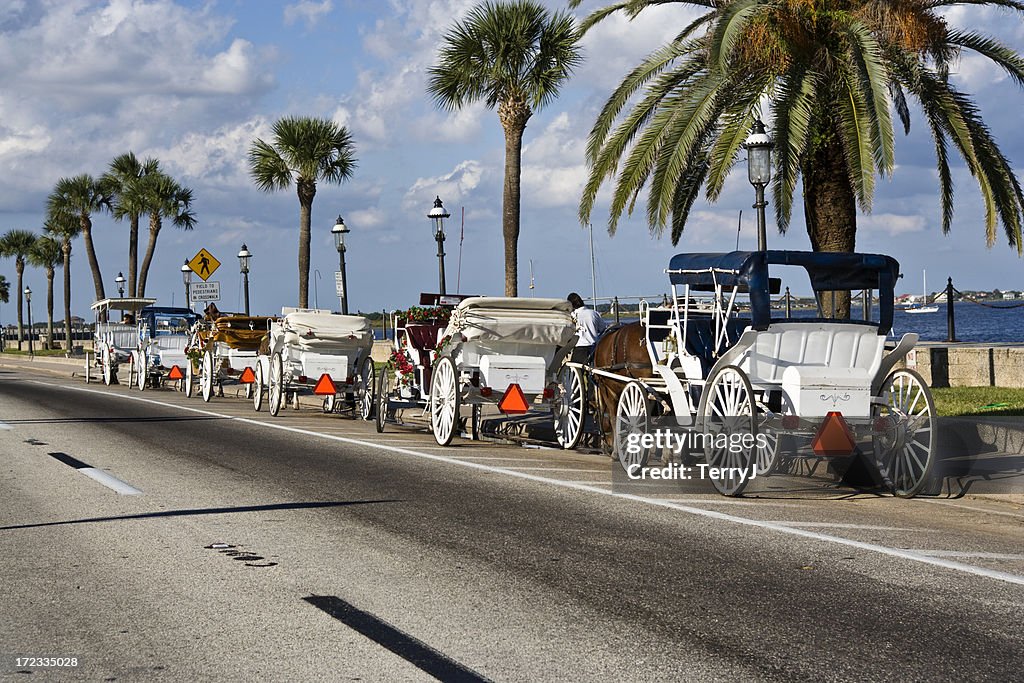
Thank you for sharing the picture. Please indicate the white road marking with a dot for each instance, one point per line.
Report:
(838, 525)
(967, 553)
(4, 425)
(549, 469)
(697, 512)
(110, 481)
(497, 457)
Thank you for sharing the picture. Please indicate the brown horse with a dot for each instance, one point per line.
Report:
(622, 351)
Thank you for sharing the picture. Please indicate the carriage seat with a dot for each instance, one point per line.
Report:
(423, 339)
(700, 337)
(841, 348)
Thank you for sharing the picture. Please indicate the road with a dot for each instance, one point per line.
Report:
(308, 547)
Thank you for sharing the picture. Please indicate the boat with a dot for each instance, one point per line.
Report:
(923, 307)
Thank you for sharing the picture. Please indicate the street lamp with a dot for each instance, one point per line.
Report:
(186, 277)
(759, 172)
(437, 216)
(243, 263)
(28, 300)
(120, 284)
(339, 231)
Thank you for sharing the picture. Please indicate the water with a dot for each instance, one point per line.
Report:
(974, 323)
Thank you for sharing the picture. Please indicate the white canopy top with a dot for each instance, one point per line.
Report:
(126, 304)
(328, 324)
(516, 303)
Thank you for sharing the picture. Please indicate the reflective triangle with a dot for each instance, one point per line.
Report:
(248, 376)
(833, 437)
(325, 386)
(513, 401)
(175, 373)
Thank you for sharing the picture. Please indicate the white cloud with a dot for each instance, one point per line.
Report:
(454, 186)
(307, 11)
(891, 224)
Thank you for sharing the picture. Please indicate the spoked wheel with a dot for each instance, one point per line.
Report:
(444, 401)
(143, 375)
(767, 459)
(190, 377)
(206, 375)
(904, 433)
(570, 411)
(248, 390)
(329, 403)
(383, 394)
(632, 416)
(365, 385)
(108, 368)
(132, 370)
(728, 419)
(257, 393)
(275, 392)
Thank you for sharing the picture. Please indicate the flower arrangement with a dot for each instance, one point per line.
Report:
(400, 365)
(425, 314)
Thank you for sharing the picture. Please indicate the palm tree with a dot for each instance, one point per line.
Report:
(46, 254)
(81, 196)
(65, 228)
(163, 197)
(831, 73)
(513, 56)
(122, 182)
(305, 150)
(17, 244)
(5, 290)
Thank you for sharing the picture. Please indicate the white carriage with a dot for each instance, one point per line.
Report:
(224, 351)
(115, 342)
(163, 336)
(327, 354)
(717, 374)
(490, 346)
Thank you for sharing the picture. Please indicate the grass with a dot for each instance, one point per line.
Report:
(975, 401)
(37, 352)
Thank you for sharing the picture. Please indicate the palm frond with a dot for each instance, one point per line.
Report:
(1007, 59)
(793, 107)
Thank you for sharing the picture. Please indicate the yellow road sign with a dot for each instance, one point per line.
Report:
(204, 264)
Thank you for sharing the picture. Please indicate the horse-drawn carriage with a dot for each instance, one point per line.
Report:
(488, 347)
(222, 351)
(327, 354)
(151, 339)
(715, 373)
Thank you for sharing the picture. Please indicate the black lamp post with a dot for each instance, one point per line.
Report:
(339, 231)
(28, 300)
(186, 277)
(759, 172)
(437, 216)
(120, 284)
(243, 263)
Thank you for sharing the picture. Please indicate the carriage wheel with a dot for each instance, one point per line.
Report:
(632, 416)
(767, 459)
(108, 368)
(275, 392)
(88, 369)
(206, 375)
(476, 421)
(143, 372)
(904, 438)
(444, 401)
(570, 411)
(132, 370)
(294, 400)
(329, 403)
(190, 376)
(364, 388)
(248, 390)
(257, 394)
(729, 415)
(383, 394)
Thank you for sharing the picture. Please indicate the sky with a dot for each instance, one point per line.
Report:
(194, 83)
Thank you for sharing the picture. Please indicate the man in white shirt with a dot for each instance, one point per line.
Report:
(589, 326)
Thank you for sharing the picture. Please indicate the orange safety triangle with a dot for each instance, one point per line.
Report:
(513, 401)
(248, 376)
(175, 373)
(833, 437)
(325, 386)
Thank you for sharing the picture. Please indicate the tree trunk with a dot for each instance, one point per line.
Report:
(513, 115)
(306, 190)
(155, 223)
(66, 248)
(133, 255)
(90, 252)
(19, 268)
(49, 307)
(830, 210)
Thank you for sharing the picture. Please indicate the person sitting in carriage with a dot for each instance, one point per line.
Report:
(589, 326)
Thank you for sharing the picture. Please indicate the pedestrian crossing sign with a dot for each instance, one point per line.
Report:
(204, 264)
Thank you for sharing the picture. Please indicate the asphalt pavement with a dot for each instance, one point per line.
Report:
(150, 536)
